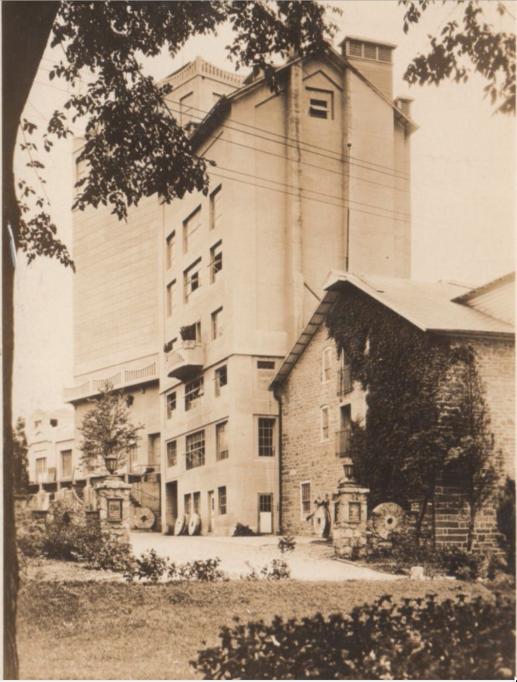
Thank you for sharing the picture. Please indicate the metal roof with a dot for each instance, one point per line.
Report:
(430, 306)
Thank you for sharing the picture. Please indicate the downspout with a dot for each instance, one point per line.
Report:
(278, 398)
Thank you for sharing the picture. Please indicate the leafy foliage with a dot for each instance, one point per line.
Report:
(150, 567)
(287, 543)
(472, 41)
(425, 407)
(107, 429)
(416, 639)
(20, 458)
(506, 521)
(243, 530)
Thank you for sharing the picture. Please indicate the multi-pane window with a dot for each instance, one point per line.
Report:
(217, 323)
(191, 226)
(266, 437)
(216, 260)
(305, 498)
(66, 463)
(318, 108)
(170, 297)
(221, 379)
(370, 51)
(195, 450)
(171, 403)
(266, 503)
(170, 250)
(172, 453)
(41, 468)
(221, 491)
(153, 449)
(215, 208)
(325, 417)
(326, 364)
(194, 391)
(221, 442)
(192, 279)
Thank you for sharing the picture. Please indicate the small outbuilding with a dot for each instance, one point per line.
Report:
(391, 361)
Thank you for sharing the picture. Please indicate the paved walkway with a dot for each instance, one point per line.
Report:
(311, 560)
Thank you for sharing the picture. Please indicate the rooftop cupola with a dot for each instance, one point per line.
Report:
(373, 59)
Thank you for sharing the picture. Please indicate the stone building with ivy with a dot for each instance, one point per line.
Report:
(389, 372)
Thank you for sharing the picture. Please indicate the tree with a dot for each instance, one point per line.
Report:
(20, 458)
(462, 46)
(104, 41)
(107, 429)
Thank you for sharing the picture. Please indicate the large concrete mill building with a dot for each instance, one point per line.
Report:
(192, 306)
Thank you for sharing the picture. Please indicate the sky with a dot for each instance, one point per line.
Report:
(462, 171)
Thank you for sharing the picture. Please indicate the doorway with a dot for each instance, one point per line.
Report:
(265, 516)
(171, 502)
(211, 511)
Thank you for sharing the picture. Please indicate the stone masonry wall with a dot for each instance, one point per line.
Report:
(306, 457)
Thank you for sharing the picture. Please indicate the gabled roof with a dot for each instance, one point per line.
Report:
(433, 307)
(221, 108)
(485, 288)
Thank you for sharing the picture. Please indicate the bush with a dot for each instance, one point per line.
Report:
(276, 570)
(31, 540)
(418, 639)
(242, 530)
(105, 552)
(203, 570)
(148, 567)
(506, 522)
(287, 543)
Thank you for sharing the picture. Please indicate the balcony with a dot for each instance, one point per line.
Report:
(186, 361)
(344, 381)
(343, 442)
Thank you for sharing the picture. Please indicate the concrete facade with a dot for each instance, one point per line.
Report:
(52, 453)
(244, 268)
(311, 381)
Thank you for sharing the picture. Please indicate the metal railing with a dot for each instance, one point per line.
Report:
(120, 379)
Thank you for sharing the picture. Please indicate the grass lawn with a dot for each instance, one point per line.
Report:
(108, 630)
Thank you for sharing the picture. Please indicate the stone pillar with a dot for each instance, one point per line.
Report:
(350, 517)
(113, 506)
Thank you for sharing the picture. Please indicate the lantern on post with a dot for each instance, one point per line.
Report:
(111, 463)
(348, 469)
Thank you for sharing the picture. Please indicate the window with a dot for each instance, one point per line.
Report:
(195, 450)
(66, 463)
(266, 434)
(266, 503)
(370, 51)
(217, 323)
(221, 443)
(324, 423)
(172, 453)
(221, 379)
(305, 499)
(171, 403)
(188, 504)
(266, 373)
(170, 250)
(191, 279)
(355, 49)
(326, 363)
(190, 226)
(197, 503)
(318, 108)
(345, 427)
(53, 423)
(194, 391)
(215, 208)
(191, 332)
(133, 458)
(41, 468)
(384, 54)
(216, 260)
(170, 297)
(221, 493)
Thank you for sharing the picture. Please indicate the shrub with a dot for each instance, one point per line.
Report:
(242, 530)
(202, 570)
(148, 567)
(506, 522)
(287, 543)
(417, 639)
(31, 540)
(105, 552)
(278, 569)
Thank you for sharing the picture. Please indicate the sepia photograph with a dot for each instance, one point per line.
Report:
(258, 305)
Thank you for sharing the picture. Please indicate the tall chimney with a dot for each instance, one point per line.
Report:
(373, 59)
